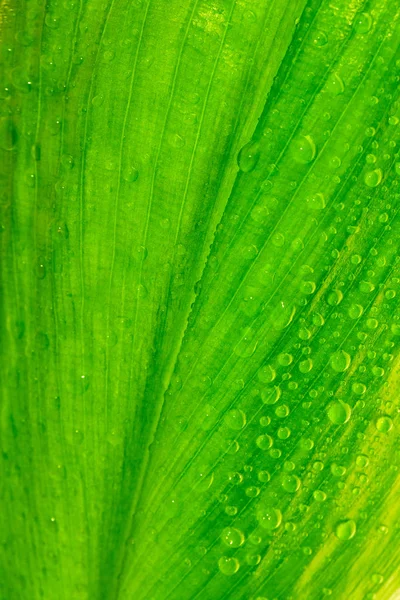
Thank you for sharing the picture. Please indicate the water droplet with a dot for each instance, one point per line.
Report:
(264, 476)
(340, 361)
(339, 412)
(308, 287)
(248, 157)
(285, 359)
(232, 537)
(319, 496)
(362, 23)
(359, 388)
(373, 178)
(355, 311)
(247, 345)
(345, 530)
(304, 149)
(291, 483)
(335, 297)
(228, 566)
(253, 560)
(282, 411)
(335, 85)
(384, 424)
(320, 39)
(305, 366)
(316, 202)
(284, 433)
(271, 395)
(362, 461)
(282, 315)
(264, 442)
(266, 374)
(235, 419)
(269, 518)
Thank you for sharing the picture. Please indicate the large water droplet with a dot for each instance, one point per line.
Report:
(248, 157)
(235, 419)
(264, 442)
(269, 518)
(232, 537)
(373, 178)
(384, 424)
(335, 85)
(316, 201)
(339, 412)
(340, 361)
(362, 23)
(346, 529)
(304, 149)
(228, 566)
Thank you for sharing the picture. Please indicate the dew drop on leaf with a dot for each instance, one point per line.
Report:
(131, 174)
(232, 537)
(345, 530)
(269, 518)
(373, 178)
(316, 201)
(384, 424)
(340, 361)
(248, 157)
(235, 419)
(339, 412)
(362, 23)
(271, 395)
(320, 39)
(266, 374)
(291, 483)
(304, 149)
(335, 85)
(282, 315)
(228, 565)
(264, 442)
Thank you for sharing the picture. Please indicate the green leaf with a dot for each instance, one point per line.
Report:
(200, 326)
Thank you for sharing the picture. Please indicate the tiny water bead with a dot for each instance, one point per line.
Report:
(285, 359)
(359, 388)
(305, 366)
(130, 174)
(235, 419)
(384, 424)
(335, 85)
(271, 395)
(304, 149)
(248, 157)
(355, 311)
(266, 374)
(340, 361)
(362, 23)
(346, 529)
(320, 39)
(228, 565)
(319, 496)
(316, 201)
(269, 518)
(291, 483)
(232, 537)
(264, 442)
(339, 412)
(362, 461)
(264, 476)
(373, 178)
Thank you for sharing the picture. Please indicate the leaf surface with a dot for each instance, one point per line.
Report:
(200, 319)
